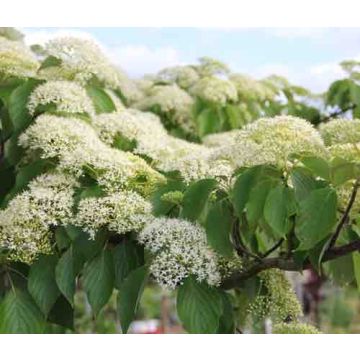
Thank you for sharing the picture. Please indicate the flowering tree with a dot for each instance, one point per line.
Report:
(209, 183)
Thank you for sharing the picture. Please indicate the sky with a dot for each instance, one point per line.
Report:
(306, 56)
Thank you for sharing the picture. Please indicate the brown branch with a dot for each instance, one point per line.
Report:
(345, 215)
(238, 244)
(272, 249)
(287, 264)
(337, 113)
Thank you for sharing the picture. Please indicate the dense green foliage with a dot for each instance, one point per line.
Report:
(210, 183)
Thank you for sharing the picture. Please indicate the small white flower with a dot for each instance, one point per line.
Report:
(173, 101)
(25, 224)
(340, 131)
(77, 147)
(16, 59)
(184, 76)
(67, 96)
(271, 141)
(180, 249)
(215, 90)
(121, 212)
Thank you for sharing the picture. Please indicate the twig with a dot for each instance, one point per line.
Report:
(345, 215)
(17, 272)
(337, 113)
(287, 264)
(272, 249)
(239, 246)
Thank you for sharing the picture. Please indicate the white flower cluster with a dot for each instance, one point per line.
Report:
(16, 59)
(219, 139)
(167, 152)
(192, 161)
(271, 141)
(278, 301)
(184, 76)
(294, 328)
(57, 136)
(180, 249)
(349, 152)
(130, 124)
(171, 100)
(209, 67)
(67, 96)
(77, 147)
(121, 212)
(145, 84)
(115, 99)
(215, 90)
(25, 224)
(80, 60)
(340, 131)
(251, 89)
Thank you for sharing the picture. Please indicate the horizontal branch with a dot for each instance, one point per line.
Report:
(337, 113)
(286, 264)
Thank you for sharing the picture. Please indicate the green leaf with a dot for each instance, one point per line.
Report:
(65, 273)
(92, 191)
(29, 172)
(26, 174)
(218, 227)
(257, 198)
(122, 143)
(6, 126)
(101, 100)
(342, 171)
(355, 93)
(199, 307)
(41, 283)
(20, 315)
(85, 248)
(62, 238)
(6, 88)
(242, 187)
(276, 210)
(317, 165)
(196, 197)
(207, 122)
(13, 153)
(226, 323)
(127, 257)
(356, 264)
(316, 217)
(98, 278)
(303, 182)
(62, 313)
(7, 180)
(341, 270)
(129, 296)
(317, 253)
(161, 207)
(18, 105)
(339, 93)
(233, 116)
(50, 61)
